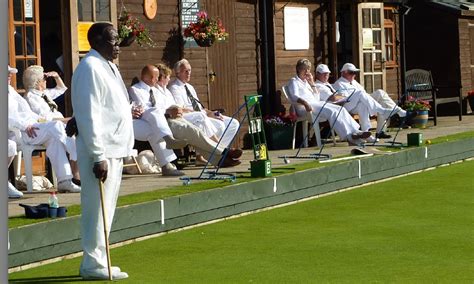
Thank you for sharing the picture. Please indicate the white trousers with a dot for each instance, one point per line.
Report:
(385, 101)
(201, 121)
(365, 106)
(343, 124)
(157, 122)
(11, 148)
(53, 136)
(184, 130)
(143, 132)
(232, 126)
(92, 227)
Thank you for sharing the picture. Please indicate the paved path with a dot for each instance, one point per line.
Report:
(141, 183)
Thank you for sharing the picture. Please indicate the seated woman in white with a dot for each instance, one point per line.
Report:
(302, 90)
(41, 101)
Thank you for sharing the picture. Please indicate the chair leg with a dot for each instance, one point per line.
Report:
(27, 156)
(333, 137)
(305, 133)
(317, 133)
(460, 109)
(137, 165)
(294, 136)
(17, 163)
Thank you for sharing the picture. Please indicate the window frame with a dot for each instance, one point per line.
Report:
(389, 24)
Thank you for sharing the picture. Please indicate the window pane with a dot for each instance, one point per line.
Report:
(388, 36)
(102, 10)
(19, 41)
(84, 10)
(378, 62)
(375, 18)
(30, 40)
(377, 37)
(388, 53)
(366, 18)
(368, 84)
(29, 10)
(30, 62)
(20, 65)
(17, 10)
(368, 62)
(377, 82)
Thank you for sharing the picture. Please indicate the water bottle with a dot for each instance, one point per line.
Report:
(53, 200)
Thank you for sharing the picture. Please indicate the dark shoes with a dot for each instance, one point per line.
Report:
(234, 153)
(383, 135)
(229, 162)
(361, 135)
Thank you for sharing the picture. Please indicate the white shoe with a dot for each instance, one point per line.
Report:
(103, 274)
(13, 192)
(68, 186)
(371, 139)
(401, 112)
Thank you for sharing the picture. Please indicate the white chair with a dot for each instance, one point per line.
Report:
(26, 151)
(305, 120)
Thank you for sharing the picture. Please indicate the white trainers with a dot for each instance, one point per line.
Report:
(401, 112)
(13, 192)
(68, 186)
(103, 274)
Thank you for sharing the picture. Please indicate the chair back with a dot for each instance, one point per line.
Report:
(295, 107)
(419, 84)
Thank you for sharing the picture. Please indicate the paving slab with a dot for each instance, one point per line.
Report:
(148, 182)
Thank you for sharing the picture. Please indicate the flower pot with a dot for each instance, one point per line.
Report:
(204, 42)
(279, 137)
(128, 40)
(420, 120)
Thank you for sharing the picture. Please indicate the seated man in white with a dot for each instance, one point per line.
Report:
(149, 121)
(185, 95)
(51, 134)
(302, 90)
(186, 131)
(12, 191)
(197, 118)
(364, 104)
(40, 98)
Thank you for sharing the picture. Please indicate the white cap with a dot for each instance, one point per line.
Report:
(12, 70)
(349, 67)
(323, 68)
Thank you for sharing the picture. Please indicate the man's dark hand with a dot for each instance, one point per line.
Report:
(100, 170)
(71, 127)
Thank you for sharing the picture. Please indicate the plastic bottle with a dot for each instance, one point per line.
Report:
(53, 200)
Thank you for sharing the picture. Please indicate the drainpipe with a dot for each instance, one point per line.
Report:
(332, 39)
(404, 9)
(267, 52)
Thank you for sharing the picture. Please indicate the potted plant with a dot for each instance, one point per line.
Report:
(418, 110)
(130, 29)
(206, 30)
(279, 130)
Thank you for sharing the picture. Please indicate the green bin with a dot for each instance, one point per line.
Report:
(414, 139)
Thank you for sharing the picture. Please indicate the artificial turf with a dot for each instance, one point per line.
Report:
(418, 228)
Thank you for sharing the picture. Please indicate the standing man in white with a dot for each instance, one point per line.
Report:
(104, 138)
(186, 97)
(378, 103)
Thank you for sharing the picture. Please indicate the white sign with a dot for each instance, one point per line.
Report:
(296, 28)
(367, 38)
(28, 9)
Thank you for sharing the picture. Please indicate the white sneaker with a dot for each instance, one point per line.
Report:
(13, 192)
(103, 274)
(371, 139)
(68, 186)
(401, 112)
(354, 141)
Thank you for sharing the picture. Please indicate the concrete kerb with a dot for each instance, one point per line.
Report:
(135, 221)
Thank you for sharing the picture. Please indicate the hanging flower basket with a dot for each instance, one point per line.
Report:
(204, 42)
(130, 30)
(206, 30)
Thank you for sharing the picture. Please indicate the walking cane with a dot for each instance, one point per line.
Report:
(106, 235)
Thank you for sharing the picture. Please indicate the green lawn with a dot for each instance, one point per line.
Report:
(418, 228)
